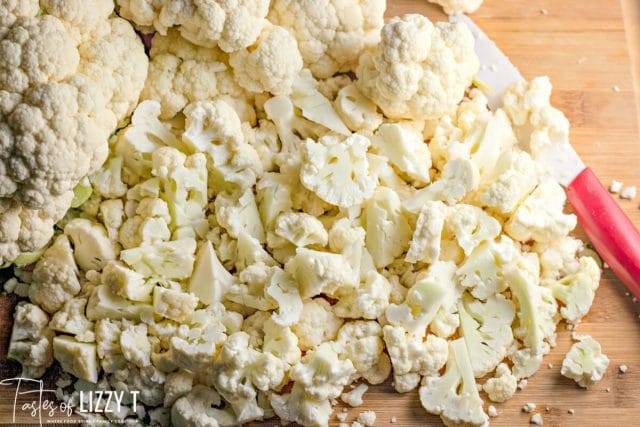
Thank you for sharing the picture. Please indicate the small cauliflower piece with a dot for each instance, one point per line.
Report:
(471, 226)
(238, 214)
(270, 65)
(125, 282)
(418, 70)
(502, 386)
(320, 272)
(577, 291)
(454, 7)
(454, 395)
(558, 258)
(301, 229)
(78, 358)
(526, 362)
(210, 280)
(31, 339)
(283, 289)
(337, 170)
(198, 407)
(585, 363)
(103, 303)
(358, 112)
(368, 301)
(55, 276)
(405, 148)
(331, 34)
(353, 398)
(540, 216)
(92, 247)
(317, 324)
(168, 260)
(174, 305)
(135, 345)
(107, 181)
(427, 235)
(71, 319)
(300, 408)
(388, 230)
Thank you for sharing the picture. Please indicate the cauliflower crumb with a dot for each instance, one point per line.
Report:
(492, 411)
(529, 407)
(615, 186)
(623, 369)
(629, 193)
(536, 419)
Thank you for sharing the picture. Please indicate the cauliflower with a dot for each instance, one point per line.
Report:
(540, 216)
(55, 276)
(368, 301)
(453, 7)
(406, 150)
(301, 408)
(501, 387)
(181, 73)
(486, 329)
(174, 305)
(301, 229)
(471, 226)
(357, 111)
(361, 342)
(331, 34)
(11, 10)
(271, 65)
(558, 258)
(229, 24)
(31, 338)
(585, 363)
(454, 395)
(317, 324)
(72, 320)
(176, 385)
(320, 272)
(198, 407)
(135, 345)
(413, 357)
(125, 282)
(92, 247)
(209, 280)
(354, 397)
(526, 362)
(427, 235)
(388, 230)
(104, 303)
(238, 214)
(418, 71)
(577, 291)
(78, 358)
(283, 289)
(169, 260)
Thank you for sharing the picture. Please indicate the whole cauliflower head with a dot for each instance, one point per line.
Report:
(419, 70)
(331, 34)
(228, 24)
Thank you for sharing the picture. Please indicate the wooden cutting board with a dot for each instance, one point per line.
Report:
(584, 48)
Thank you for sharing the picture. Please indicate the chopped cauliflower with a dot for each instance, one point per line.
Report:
(453, 7)
(357, 111)
(353, 398)
(31, 340)
(577, 291)
(317, 324)
(502, 386)
(585, 363)
(427, 235)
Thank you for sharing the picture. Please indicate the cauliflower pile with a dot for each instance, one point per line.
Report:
(71, 71)
(265, 232)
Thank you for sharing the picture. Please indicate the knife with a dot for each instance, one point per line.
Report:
(609, 229)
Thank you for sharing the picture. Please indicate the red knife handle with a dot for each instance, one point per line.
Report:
(609, 229)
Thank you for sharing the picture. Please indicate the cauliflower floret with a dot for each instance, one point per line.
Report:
(250, 251)
(368, 301)
(301, 229)
(107, 181)
(331, 34)
(229, 24)
(11, 10)
(78, 358)
(454, 395)
(168, 260)
(126, 282)
(270, 65)
(405, 148)
(577, 291)
(198, 408)
(486, 329)
(558, 257)
(181, 72)
(471, 226)
(320, 272)
(210, 280)
(361, 342)
(300, 408)
(317, 324)
(104, 303)
(526, 362)
(238, 214)
(135, 345)
(454, 7)
(540, 216)
(174, 305)
(92, 247)
(358, 112)
(281, 342)
(388, 230)
(176, 385)
(427, 235)
(501, 387)
(585, 363)
(354, 397)
(30, 342)
(418, 71)
(337, 170)
(413, 357)
(72, 320)
(55, 276)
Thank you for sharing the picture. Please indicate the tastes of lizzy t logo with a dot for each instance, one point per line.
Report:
(32, 399)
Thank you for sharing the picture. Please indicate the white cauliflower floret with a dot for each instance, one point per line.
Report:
(454, 395)
(229, 24)
(367, 301)
(405, 148)
(413, 357)
(126, 282)
(558, 257)
(198, 408)
(209, 280)
(300, 408)
(388, 230)
(577, 291)
(30, 342)
(301, 229)
(486, 329)
(176, 385)
(585, 363)
(250, 251)
(135, 344)
(92, 247)
(283, 289)
(72, 320)
(471, 226)
(270, 65)
(427, 235)
(181, 73)
(104, 303)
(540, 216)
(281, 342)
(55, 276)
(453, 7)
(317, 324)
(173, 304)
(337, 170)
(358, 112)
(320, 272)
(418, 71)
(354, 397)
(526, 362)
(107, 181)
(331, 34)
(77, 358)
(238, 214)
(195, 346)
(501, 387)
(213, 127)
(361, 342)
(11, 10)
(168, 260)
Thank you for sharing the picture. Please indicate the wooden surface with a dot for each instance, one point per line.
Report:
(584, 48)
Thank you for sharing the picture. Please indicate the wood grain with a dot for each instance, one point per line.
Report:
(584, 48)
